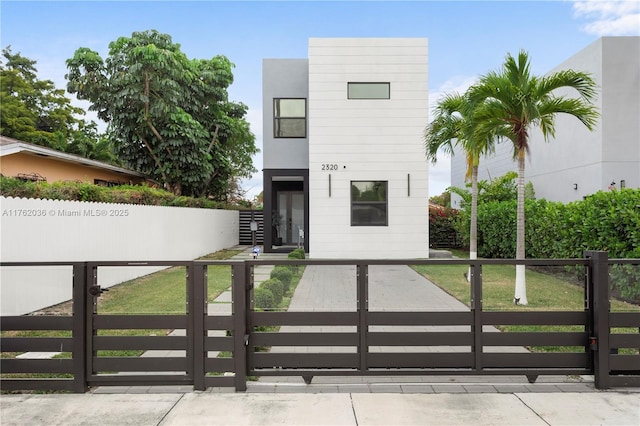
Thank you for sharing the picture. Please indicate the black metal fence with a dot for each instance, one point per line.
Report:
(91, 343)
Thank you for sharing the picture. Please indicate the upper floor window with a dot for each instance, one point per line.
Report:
(368, 90)
(289, 118)
(369, 203)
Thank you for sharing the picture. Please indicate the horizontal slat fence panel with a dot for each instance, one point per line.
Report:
(305, 360)
(420, 360)
(102, 364)
(58, 366)
(304, 339)
(132, 322)
(535, 360)
(139, 342)
(535, 339)
(36, 344)
(420, 339)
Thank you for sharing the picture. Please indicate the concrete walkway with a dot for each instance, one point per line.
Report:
(212, 408)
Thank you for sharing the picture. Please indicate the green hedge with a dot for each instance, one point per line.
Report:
(608, 221)
(81, 191)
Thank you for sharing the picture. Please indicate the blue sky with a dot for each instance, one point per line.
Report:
(466, 38)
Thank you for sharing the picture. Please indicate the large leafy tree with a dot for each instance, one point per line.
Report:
(454, 123)
(169, 116)
(513, 97)
(33, 110)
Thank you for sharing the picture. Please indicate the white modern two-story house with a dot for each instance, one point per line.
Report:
(345, 173)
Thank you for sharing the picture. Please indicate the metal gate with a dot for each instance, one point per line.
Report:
(208, 347)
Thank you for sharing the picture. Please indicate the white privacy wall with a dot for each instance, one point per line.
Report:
(67, 231)
(368, 140)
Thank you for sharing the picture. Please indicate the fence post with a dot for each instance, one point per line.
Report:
(199, 311)
(79, 330)
(476, 306)
(240, 314)
(363, 310)
(599, 310)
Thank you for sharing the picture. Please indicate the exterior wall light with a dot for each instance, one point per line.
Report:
(575, 186)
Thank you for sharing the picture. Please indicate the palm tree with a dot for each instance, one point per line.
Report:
(454, 124)
(513, 97)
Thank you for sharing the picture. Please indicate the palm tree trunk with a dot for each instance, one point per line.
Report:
(520, 297)
(473, 232)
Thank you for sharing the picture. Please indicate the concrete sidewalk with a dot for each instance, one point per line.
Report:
(212, 408)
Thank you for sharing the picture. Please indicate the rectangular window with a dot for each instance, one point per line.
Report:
(289, 118)
(369, 203)
(368, 90)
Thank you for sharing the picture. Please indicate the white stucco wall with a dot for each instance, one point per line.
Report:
(68, 231)
(371, 140)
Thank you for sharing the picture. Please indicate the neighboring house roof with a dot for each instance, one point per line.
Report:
(10, 146)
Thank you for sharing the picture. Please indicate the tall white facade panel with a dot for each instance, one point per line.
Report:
(367, 140)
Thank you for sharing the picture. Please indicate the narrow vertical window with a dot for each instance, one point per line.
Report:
(289, 118)
(369, 203)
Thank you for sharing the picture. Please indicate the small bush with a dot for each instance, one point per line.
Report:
(296, 254)
(276, 288)
(263, 299)
(284, 275)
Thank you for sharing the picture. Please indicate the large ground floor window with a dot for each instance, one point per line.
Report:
(369, 203)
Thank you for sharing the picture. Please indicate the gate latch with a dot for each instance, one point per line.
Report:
(96, 290)
(593, 343)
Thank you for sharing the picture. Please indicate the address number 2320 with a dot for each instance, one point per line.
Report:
(329, 167)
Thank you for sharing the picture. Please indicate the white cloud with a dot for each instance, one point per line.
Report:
(609, 18)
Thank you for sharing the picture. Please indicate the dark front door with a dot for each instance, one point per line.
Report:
(291, 211)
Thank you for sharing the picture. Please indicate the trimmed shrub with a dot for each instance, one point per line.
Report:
(284, 275)
(276, 288)
(263, 299)
(296, 254)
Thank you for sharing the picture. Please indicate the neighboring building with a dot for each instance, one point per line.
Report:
(344, 163)
(38, 163)
(577, 162)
